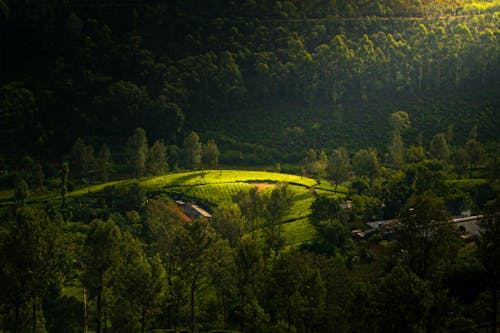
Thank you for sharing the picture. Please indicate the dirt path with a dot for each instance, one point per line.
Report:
(262, 186)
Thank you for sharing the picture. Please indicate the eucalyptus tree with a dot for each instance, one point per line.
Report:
(32, 256)
(343, 62)
(192, 151)
(156, 163)
(425, 236)
(203, 255)
(365, 163)
(82, 158)
(489, 254)
(210, 154)
(101, 255)
(140, 282)
(136, 150)
(439, 147)
(366, 57)
(339, 166)
(277, 206)
(104, 163)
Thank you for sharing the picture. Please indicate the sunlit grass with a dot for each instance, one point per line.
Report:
(224, 176)
(213, 193)
(298, 232)
(481, 5)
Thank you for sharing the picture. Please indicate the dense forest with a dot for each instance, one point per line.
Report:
(117, 117)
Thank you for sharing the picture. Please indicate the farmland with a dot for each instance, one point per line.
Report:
(215, 187)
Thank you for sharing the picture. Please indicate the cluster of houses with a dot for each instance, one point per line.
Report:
(466, 226)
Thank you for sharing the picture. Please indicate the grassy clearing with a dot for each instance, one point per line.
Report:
(215, 194)
(481, 6)
(298, 232)
(224, 176)
(212, 188)
(329, 187)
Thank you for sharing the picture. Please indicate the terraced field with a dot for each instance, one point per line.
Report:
(214, 187)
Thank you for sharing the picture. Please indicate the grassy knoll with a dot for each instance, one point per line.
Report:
(214, 187)
(224, 176)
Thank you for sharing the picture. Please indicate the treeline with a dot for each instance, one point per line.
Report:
(82, 166)
(98, 71)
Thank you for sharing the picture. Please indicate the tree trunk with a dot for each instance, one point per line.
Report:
(34, 314)
(99, 309)
(143, 318)
(16, 319)
(193, 286)
(105, 321)
(85, 322)
(420, 75)
(131, 318)
(242, 308)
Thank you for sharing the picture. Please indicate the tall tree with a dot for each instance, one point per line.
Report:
(338, 166)
(64, 183)
(32, 256)
(210, 154)
(397, 150)
(137, 152)
(475, 154)
(101, 251)
(249, 269)
(277, 206)
(439, 147)
(229, 222)
(104, 163)
(489, 253)
(140, 283)
(157, 159)
(192, 151)
(251, 204)
(21, 192)
(365, 163)
(425, 235)
(399, 121)
(410, 299)
(201, 256)
(83, 158)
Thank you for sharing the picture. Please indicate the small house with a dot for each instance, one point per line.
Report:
(194, 211)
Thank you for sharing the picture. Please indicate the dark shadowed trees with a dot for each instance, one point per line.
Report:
(439, 147)
(137, 152)
(338, 166)
(32, 256)
(192, 151)
(425, 235)
(210, 154)
(277, 206)
(156, 163)
(489, 253)
(102, 248)
(104, 163)
(365, 163)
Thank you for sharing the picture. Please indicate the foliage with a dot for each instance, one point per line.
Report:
(425, 236)
(137, 152)
(365, 163)
(192, 151)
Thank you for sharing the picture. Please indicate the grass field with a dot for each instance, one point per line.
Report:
(224, 176)
(214, 187)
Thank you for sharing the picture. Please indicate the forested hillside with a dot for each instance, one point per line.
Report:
(327, 73)
(249, 166)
